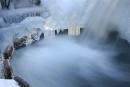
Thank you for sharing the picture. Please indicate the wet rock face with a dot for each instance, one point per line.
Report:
(121, 45)
(113, 35)
(28, 39)
(20, 42)
(61, 32)
(42, 36)
(112, 32)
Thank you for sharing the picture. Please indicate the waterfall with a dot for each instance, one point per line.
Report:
(62, 61)
(98, 57)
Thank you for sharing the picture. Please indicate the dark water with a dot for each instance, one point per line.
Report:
(65, 62)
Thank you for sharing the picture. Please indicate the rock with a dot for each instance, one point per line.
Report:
(36, 33)
(113, 35)
(42, 36)
(7, 69)
(21, 82)
(8, 52)
(121, 45)
(20, 42)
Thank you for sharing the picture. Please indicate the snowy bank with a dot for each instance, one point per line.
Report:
(30, 27)
(17, 15)
(8, 83)
(8, 34)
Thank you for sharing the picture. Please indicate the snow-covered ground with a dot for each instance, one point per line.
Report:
(17, 15)
(8, 83)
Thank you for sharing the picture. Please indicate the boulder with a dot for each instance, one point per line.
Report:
(36, 33)
(21, 82)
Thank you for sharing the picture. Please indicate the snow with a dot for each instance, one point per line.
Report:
(65, 12)
(1, 22)
(8, 83)
(17, 15)
(1, 64)
(8, 34)
(22, 3)
(25, 28)
(33, 22)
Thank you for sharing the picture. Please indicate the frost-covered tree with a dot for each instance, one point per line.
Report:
(5, 4)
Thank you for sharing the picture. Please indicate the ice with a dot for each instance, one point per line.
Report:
(2, 23)
(63, 12)
(1, 64)
(33, 22)
(94, 15)
(62, 61)
(22, 3)
(49, 33)
(31, 25)
(17, 15)
(8, 34)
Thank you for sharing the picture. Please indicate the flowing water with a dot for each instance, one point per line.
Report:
(67, 62)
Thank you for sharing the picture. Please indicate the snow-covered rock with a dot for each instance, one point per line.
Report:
(25, 28)
(31, 28)
(36, 34)
(33, 22)
(22, 3)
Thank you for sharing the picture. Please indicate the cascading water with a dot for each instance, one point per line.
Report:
(62, 62)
